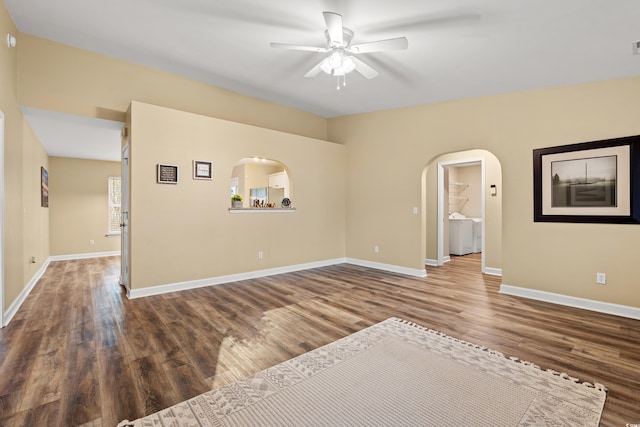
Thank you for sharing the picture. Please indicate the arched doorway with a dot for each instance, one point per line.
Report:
(472, 203)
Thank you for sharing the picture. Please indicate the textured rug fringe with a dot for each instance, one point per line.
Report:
(563, 375)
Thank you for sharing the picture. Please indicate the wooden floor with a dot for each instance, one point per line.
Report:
(79, 352)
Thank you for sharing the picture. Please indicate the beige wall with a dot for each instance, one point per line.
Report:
(78, 204)
(36, 217)
(26, 226)
(88, 84)
(388, 150)
(185, 232)
(471, 203)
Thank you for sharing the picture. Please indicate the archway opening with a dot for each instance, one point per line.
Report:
(260, 183)
(462, 203)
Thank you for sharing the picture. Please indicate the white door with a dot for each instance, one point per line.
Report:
(124, 225)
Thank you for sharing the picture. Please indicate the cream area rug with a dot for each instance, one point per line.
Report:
(394, 373)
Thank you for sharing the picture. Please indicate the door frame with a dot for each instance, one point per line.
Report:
(442, 206)
(2, 320)
(125, 194)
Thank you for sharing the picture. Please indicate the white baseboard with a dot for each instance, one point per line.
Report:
(193, 284)
(434, 262)
(17, 303)
(598, 306)
(493, 271)
(83, 256)
(389, 267)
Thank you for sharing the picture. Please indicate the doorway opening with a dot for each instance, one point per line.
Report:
(463, 209)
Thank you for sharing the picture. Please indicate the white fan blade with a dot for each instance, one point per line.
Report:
(334, 28)
(399, 43)
(364, 69)
(316, 69)
(297, 47)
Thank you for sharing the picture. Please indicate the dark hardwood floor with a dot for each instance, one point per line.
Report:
(79, 352)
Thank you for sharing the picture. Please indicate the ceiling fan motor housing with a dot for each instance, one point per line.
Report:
(347, 36)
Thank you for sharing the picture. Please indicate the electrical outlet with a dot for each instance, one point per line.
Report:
(376, 249)
(601, 278)
(92, 242)
(260, 255)
(415, 210)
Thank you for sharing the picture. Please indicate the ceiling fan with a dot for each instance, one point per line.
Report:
(341, 58)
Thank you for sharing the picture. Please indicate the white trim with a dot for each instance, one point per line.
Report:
(598, 306)
(17, 303)
(193, 284)
(2, 313)
(493, 271)
(261, 210)
(83, 256)
(434, 262)
(440, 225)
(389, 267)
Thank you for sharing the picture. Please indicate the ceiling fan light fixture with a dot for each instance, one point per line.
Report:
(338, 64)
(348, 65)
(335, 59)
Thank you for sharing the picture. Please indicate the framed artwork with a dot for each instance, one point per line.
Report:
(44, 188)
(202, 170)
(596, 182)
(167, 174)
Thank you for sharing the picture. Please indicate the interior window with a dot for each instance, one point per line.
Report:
(258, 183)
(115, 210)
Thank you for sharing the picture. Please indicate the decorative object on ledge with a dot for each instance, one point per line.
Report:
(44, 188)
(167, 174)
(590, 182)
(261, 204)
(202, 170)
(236, 201)
(286, 202)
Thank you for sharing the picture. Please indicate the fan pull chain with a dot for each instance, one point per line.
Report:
(344, 81)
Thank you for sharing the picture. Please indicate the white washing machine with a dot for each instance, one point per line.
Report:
(461, 241)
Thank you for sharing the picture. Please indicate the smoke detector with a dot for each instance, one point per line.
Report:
(11, 41)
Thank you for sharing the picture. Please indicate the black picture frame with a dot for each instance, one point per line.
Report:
(202, 170)
(167, 174)
(611, 195)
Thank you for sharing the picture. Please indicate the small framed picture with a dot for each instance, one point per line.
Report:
(44, 188)
(202, 170)
(167, 174)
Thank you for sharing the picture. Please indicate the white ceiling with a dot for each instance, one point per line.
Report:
(68, 135)
(457, 48)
